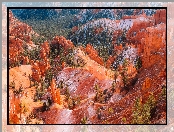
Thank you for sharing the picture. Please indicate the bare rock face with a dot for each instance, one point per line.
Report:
(83, 82)
(160, 16)
(153, 46)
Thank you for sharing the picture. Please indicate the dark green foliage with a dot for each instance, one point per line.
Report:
(48, 28)
(116, 75)
(71, 101)
(48, 77)
(64, 56)
(102, 96)
(16, 63)
(138, 63)
(34, 54)
(80, 62)
(104, 51)
(38, 40)
(30, 117)
(99, 93)
(43, 84)
(49, 101)
(67, 93)
(39, 93)
(142, 113)
(45, 107)
(164, 91)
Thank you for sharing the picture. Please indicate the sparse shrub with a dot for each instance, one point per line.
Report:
(164, 91)
(123, 119)
(19, 91)
(43, 84)
(28, 120)
(12, 84)
(124, 73)
(24, 108)
(84, 120)
(67, 93)
(103, 52)
(31, 82)
(102, 96)
(116, 75)
(113, 87)
(45, 107)
(99, 94)
(111, 110)
(80, 62)
(49, 76)
(39, 93)
(73, 101)
(99, 113)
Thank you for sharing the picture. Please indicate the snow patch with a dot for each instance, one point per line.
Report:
(65, 117)
(115, 98)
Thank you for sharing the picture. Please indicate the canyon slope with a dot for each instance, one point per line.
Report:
(104, 71)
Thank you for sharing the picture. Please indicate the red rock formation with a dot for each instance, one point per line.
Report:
(19, 33)
(153, 46)
(131, 70)
(43, 53)
(137, 31)
(92, 53)
(36, 73)
(98, 30)
(74, 29)
(25, 60)
(146, 84)
(60, 40)
(129, 17)
(110, 61)
(45, 50)
(19, 29)
(44, 65)
(15, 50)
(55, 92)
(118, 49)
(14, 109)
